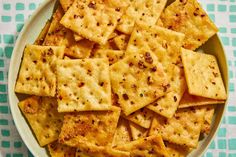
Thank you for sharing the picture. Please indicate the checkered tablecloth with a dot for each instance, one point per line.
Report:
(14, 13)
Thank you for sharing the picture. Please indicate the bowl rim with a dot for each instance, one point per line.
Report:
(11, 86)
(10, 74)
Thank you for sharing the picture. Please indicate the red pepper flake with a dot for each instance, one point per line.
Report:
(81, 84)
(175, 98)
(125, 96)
(141, 65)
(153, 69)
(92, 5)
(148, 58)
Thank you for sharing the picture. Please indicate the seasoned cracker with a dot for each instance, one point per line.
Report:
(148, 146)
(83, 85)
(175, 150)
(43, 117)
(192, 100)
(112, 55)
(206, 127)
(188, 17)
(43, 33)
(92, 20)
(100, 151)
(89, 128)
(59, 35)
(183, 129)
(122, 134)
(59, 150)
(121, 41)
(138, 80)
(142, 117)
(37, 74)
(166, 45)
(168, 104)
(203, 76)
(142, 11)
(137, 131)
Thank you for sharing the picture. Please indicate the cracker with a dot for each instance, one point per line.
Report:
(166, 44)
(137, 131)
(59, 150)
(122, 134)
(91, 20)
(121, 41)
(100, 151)
(89, 128)
(112, 55)
(206, 127)
(183, 129)
(142, 11)
(148, 146)
(59, 35)
(175, 150)
(203, 76)
(168, 104)
(188, 17)
(83, 85)
(37, 72)
(43, 33)
(42, 115)
(138, 80)
(142, 117)
(192, 100)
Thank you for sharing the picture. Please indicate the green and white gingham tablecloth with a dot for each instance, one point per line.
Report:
(14, 13)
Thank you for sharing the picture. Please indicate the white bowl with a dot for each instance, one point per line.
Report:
(30, 32)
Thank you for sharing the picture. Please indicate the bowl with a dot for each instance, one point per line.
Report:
(28, 35)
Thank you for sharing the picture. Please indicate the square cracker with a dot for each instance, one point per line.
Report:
(92, 20)
(42, 115)
(166, 45)
(112, 55)
(37, 74)
(148, 146)
(138, 80)
(100, 151)
(59, 35)
(143, 11)
(168, 104)
(206, 127)
(137, 131)
(142, 117)
(203, 76)
(188, 17)
(175, 150)
(89, 128)
(83, 85)
(59, 150)
(122, 134)
(192, 100)
(183, 129)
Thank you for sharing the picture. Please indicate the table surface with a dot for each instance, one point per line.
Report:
(14, 13)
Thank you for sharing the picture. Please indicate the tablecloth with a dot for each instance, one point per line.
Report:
(14, 13)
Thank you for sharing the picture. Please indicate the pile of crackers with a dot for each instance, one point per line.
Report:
(112, 78)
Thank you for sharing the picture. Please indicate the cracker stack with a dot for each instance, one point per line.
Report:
(121, 79)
